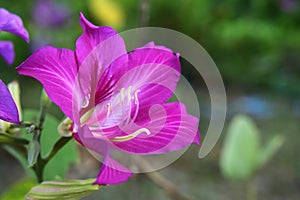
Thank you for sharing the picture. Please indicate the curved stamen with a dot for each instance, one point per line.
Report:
(131, 136)
(136, 101)
(108, 109)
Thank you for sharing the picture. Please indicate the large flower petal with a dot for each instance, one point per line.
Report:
(111, 172)
(171, 128)
(93, 36)
(8, 108)
(56, 69)
(7, 51)
(12, 23)
(96, 49)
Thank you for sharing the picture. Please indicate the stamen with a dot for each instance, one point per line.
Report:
(131, 136)
(108, 109)
(136, 100)
(129, 94)
(122, 96)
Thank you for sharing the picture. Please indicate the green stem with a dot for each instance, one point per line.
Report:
(251, 190)
(42, 162)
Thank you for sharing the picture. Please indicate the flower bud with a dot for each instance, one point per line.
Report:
(64, 128)
(33, 152)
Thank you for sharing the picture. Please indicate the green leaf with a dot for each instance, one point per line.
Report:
(62, 189)
(59, 165)
(239, 158)
(270, 149)
(19, 190)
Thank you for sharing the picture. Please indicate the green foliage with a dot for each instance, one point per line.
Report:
(242, 155)
(62, 189)
(19, 190)
(270, 149)
(59, 165)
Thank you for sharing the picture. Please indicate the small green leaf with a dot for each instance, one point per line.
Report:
(270, 149)
(62, 189)
(19, 190)
(239, 157)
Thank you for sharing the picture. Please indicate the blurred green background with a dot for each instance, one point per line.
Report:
(254, 43)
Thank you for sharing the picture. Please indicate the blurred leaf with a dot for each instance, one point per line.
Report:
(59, 165)
(63, 189)
(19, 190)
(270, 149)
(240, 151)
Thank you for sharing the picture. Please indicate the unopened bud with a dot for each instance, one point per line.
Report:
(33, 152)
(31, 128)
(64, 128)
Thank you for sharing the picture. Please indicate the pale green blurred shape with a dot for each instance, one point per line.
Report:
(242, 155)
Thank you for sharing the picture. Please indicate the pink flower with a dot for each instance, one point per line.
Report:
(116, 100)
(11, 23)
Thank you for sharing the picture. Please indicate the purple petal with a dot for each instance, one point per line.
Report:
(171, 128)
(8, 108)
(111, 172)
(7, 51)
(93, 36)
(12, 23)
(56, 69)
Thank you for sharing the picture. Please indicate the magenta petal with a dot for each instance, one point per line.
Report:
(7, 51)
(56, 69)
(111, 172)
(93, 36)
(171, 127)
(8, 108)
(155, 71)
(12, 23)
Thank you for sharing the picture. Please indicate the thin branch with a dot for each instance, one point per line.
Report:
(169, 187)
(144, 12)
(57, 146)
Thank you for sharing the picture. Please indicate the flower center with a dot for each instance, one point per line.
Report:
(121, 111)
(125, 104)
